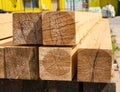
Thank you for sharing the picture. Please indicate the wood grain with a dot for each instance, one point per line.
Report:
(2, 70)
(21, 62)
(6, 26)
(5, 42)
(52, 28)
(66, 28)
(104, 59)
(95, 55)
(58, 28)
(57, 63)
(27, 28)
(85, 21)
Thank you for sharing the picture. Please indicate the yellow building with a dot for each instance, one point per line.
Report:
(52, 5)
(40, 5)
(102, 3)
(30, 5)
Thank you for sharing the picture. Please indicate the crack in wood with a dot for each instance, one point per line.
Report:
(57, 31)
(29, 27)
(22, 31)
(54, 64)
(56, 25)
(93, 66)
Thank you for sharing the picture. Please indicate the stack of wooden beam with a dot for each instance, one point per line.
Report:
(95, 55)
(58, 46)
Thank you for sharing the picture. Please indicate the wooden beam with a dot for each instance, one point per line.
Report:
(99, 87)
(66, 28)
(27, 28)
(52, 28)
(95, 55)
(21, 62)
(104, 59)
(5, 26)
(3, 43)
(2, 71)
(57, 63)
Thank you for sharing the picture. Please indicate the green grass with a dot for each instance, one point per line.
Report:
(114, 45)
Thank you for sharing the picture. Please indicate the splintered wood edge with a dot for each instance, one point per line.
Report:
(6, 42)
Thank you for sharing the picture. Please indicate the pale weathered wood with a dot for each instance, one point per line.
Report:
(95, 55)
(103, 70)
(57, 63)
(21, 62)
(99, 87)
(84, 22)
(66, 28)
(27, 28)
(2, 75)
(6, 42)
(5, 25)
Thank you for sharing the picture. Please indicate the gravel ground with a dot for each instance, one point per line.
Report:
(115, 28)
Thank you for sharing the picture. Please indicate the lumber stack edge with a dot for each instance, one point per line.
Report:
(57, 46)
(52, 28)
(95, 55)
(6, 26)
